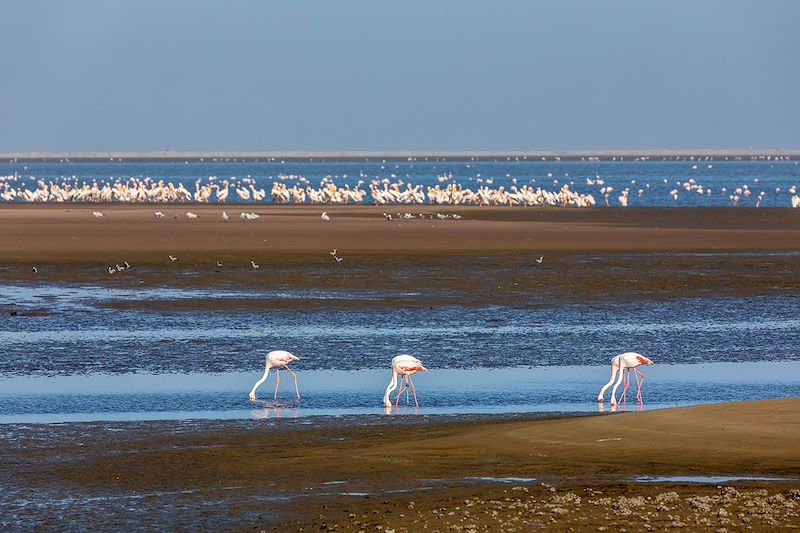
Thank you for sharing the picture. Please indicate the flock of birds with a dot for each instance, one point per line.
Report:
(404, 366)
(297, 189)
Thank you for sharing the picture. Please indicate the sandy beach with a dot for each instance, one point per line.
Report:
(428, 473)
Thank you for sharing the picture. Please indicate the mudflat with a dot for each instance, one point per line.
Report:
(58, 233)
(426, 473)
(563, 473)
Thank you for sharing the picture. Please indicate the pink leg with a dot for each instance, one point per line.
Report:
(399, 392)
(277, 382)
(627, 373)
(414, 390)
(294, 376)
(639, 383)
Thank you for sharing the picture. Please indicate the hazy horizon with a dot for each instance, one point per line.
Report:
(465, 76)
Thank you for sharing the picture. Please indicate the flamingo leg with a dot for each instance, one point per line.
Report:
(400, 391)
(623, 398)
(277, 382)
(639, 383)
(294, 376)
(413, 390)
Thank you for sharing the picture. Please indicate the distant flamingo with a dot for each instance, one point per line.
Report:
(403, 365)
(277, 359)
(620, 363)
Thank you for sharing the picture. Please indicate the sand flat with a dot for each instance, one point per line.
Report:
(71, 234)
(592, 457)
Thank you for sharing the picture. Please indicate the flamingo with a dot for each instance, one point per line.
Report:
(277, 359)
(620, 363)
(403, 365)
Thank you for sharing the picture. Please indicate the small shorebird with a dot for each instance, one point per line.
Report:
(325, 217)
(404, 366)
(254, 265)
(219, 264)
(387, 216)
(332, 252)
(190, 215)
(172, 258)
(127, 265)
(159, 214)
(338, 259)
(539, 261)
(225, 216)
(35, 270)
(277, 359)
(97, 214)
(110, 269)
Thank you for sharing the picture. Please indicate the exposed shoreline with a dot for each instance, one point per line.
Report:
(588, 456)
(221, 475)
(70, 233)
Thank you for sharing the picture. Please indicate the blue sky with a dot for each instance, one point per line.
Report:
(145, 75)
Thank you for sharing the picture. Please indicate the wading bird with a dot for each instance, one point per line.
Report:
(277, 359)
(404, 366)
(620, 363)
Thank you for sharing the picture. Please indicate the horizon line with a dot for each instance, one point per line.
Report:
(393, 154)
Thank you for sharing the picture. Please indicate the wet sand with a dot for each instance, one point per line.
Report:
(54, 233)
(216, 475)
(400, 474)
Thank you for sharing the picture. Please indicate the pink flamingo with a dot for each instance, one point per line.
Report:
(277, 359)
(620, 363)
(405, 366)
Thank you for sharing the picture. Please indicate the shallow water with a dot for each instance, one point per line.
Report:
(113, 349)
(339, 393)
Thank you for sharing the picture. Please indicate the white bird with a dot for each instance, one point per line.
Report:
(403, 365)
(127, 265)
(35, 270)
(277, 359)
(225, 216)
(219, 264)
(190, 215)
(255, 265)
(173, 258)
(159, 214)
(110, 270)
(97, 214)
(620, 363)
(332, 252)
(387, 216)
(539, 261)
(338, 259)
(325, 216)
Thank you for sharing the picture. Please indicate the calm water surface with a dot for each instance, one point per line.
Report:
(90, 357)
